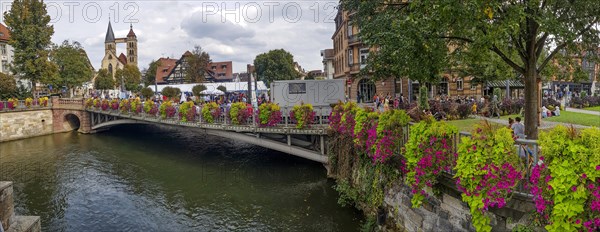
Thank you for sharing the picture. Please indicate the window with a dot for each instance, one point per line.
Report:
(349, 30)
(130, 59)
(364, 53)
(459, 84)
(5, 66)
(3, 49)
(473, 86)
(214, 67)
(297, 88)
(350, 57)
(110, 57)
(110, 69)
(224, 66)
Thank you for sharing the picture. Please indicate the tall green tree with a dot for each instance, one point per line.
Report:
(8, 86)
(422, 39)
(130, 76)
(104, 80)
(196, 64)
(28, 22)
(274, 65)
(73, 68)
(151, 73)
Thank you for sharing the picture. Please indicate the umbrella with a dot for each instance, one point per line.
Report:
(183, 99)
(212, 92)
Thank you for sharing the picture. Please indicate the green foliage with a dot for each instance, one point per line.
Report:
(363, 116)
(303, 114)
(423, 98)
(573, 161)
(370, 225)
(498, 92)
(196, 65)
(184, 108)
(485, 155)
(8, 86)
(197, 90)
(151, 73)
(438, 36)
(72, 63)
(104, 80)
(130, 76)
(392, 120)
(124, 105)
(148, 105)
(235, 111)
(266, 110)
(275, 65)
(522, 228)
(134, 104)
(171, 92)
(208, 111)
(147, 93)
(428, 153)
(163, 108)
(30, 36)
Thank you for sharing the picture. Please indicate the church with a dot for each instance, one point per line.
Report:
(111, 61)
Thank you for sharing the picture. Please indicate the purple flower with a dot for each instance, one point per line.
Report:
(598, 168)
(574, 188)
(578, 221)
(583, 176)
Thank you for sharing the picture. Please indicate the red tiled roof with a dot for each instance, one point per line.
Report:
(4, 33)
(123, 59)
(166, 66)
(131, 33)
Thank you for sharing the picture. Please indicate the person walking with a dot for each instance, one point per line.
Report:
(518, 128)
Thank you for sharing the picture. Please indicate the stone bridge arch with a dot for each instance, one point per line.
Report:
(68, 120)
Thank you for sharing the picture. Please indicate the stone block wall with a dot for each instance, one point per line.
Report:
(25, 124)
(8, 220)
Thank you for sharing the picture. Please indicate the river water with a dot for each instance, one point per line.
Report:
(139, 178)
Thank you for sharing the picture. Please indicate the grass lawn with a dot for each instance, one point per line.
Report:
(468, 124)
(597, 108)
(576, 118)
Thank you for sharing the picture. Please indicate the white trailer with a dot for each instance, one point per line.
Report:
(319, 93)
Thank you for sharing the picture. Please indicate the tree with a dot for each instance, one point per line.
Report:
(196, 65)
(104, 80)
(73, 68)
(147, 92)
(436, 35)
(275, 65)
(28, 22)
(197, 90)
(130, 76)
(222, 88)
(8, 86)
(151, 73)
(171, 92)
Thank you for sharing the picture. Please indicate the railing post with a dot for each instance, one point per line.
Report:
(320, 115)
(285, 115)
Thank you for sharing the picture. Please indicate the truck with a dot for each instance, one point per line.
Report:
(319, 93)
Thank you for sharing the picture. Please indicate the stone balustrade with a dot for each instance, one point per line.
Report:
(8, 220)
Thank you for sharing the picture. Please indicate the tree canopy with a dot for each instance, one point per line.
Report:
(104, 80)
(171, 92)
(423, 39)
(73, 68)
(28, 22)
(130, 76)
(222, 88)
(196, 65)
(275, 65)
(8, 86)
(147, 92)
(151, 73)
(197, 90)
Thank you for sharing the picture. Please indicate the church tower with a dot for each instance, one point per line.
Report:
(131, 41)
(110, 45)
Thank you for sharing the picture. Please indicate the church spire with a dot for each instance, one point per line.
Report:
(110, 35)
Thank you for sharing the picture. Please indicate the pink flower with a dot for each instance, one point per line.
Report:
(574, 188)
(583, 176)
(578, 221)
(598, 168)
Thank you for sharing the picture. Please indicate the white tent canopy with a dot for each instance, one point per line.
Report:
(212, 92)
(212, 87)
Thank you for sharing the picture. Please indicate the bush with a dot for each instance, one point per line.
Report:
(147, 93)
(464, 110)
(187, 112)
(197, 90)
(210, 112)
(171, 92)
(167, 110)
(240, 112)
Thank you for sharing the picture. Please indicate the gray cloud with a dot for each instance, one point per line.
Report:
(198, 26)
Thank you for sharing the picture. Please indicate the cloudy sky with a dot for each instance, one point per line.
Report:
(227, 30)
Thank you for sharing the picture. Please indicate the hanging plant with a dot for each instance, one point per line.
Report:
(28, 102)
(566, 184)
(302, 115)
(105, 105)
(487, 171)
(43, 101)
(187, 112)
(97, 103)
(429, 152)
(89, 103)
(136, 105)
(269, 114)
(114, 104)
(12, 103)
(342, 116)
(390, 130)
(124, 105)
(210, 112)
(240, 112)
(167, 110)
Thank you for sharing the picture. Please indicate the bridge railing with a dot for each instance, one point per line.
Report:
(21, 105)
(321, 117)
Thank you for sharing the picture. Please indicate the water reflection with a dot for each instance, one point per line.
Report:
(160, 179)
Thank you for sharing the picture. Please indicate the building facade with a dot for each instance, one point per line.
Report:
(111, 61)
(214, 72)
(6, 51)
(589, 84)
(328, 69)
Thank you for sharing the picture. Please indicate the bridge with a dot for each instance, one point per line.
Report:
(309, 143)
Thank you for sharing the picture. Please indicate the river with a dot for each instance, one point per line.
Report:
(140, 178)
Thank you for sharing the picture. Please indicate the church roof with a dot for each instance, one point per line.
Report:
(131, 33)
(110, 35)
(123, 59)
(4, 33)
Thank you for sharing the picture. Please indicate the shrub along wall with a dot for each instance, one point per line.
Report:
(408, 186)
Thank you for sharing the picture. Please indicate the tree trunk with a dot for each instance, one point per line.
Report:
(531, 104)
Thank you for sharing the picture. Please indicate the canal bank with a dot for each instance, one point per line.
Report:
(165, 179)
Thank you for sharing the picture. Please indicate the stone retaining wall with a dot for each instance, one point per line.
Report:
(25, 124)
(10, 222)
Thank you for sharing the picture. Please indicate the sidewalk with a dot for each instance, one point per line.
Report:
(544, 124)
(583, 111)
